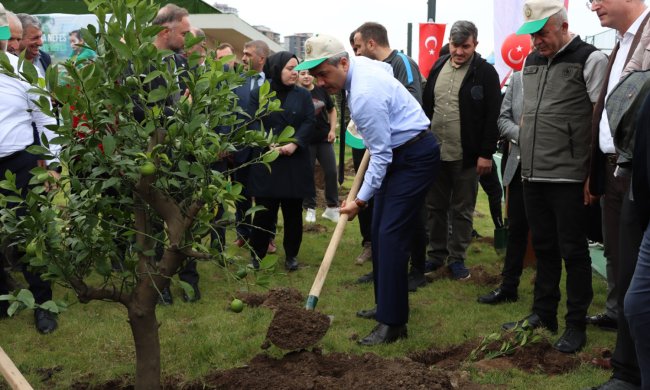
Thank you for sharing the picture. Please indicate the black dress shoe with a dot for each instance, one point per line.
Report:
(368, 314)
(367, 278)
(497, 296)
(291, 263)
(195, 297)
(384, 334)
(571, 341)
(603, 321)
(533, 321)
(165, 297)
(416, 279)
(45, 321)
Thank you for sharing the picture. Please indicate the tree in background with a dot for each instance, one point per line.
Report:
(136, 198)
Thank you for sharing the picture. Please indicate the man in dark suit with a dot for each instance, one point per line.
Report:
(629, 20)
(254, 58)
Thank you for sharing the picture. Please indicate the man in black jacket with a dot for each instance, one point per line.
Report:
(462, 98)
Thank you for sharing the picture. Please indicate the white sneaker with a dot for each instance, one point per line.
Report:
(310, 216)
(331, 213)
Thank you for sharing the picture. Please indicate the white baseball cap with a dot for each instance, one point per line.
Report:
(536, 14)
(319, 48)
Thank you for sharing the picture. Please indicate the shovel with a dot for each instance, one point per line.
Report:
(316, 287)
(294, 328)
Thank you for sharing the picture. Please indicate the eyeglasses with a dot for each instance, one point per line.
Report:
(591, 3)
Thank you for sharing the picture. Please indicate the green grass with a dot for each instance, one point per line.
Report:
(93, 342)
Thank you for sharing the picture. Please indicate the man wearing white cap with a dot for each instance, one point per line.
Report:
(18, 113)
(404, 158)
(562, 80)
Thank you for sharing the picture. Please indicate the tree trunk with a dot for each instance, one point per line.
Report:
(144, 327)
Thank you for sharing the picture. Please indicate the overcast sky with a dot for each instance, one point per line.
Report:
(340, 17)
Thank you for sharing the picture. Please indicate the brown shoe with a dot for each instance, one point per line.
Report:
(366, 254)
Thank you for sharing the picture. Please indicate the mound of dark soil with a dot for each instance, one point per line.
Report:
(312, 370)
(272, 299)
(296, 328)
(538, 357)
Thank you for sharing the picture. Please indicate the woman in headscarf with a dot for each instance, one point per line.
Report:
(290, 179)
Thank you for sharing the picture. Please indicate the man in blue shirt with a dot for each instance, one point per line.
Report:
(404, 159)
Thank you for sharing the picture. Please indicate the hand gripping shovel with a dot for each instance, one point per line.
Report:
(316, 287)
(294, 328)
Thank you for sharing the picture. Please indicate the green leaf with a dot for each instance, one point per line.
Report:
(270, 156)
(187, 288)
(26, 298)
(157, 95)
(122, 49)
(151, 76)
(108, 142)
(152, 31)
(93, 5)
(50, 306)
(38, 150)
(268, 262)
(15, 305)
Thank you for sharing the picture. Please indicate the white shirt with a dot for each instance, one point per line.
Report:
(17, 112)
(605, 139)
(386, 115)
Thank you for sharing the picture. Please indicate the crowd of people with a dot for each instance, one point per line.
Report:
(572, 141)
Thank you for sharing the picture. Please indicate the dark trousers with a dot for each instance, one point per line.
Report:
(397, 205)
(517, 236)
(492, 187)
(324, 152)
(265, 220)
(637, 309)
(634, 219)
(20, 164)
(615, 189)
(418, 240)
(556, 215)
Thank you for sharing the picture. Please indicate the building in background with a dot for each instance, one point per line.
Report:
(296, 43)
(225, 9)
(272, 35)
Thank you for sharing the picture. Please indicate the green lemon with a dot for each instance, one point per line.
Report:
(147, 169)
(237, 305)
(241, 273)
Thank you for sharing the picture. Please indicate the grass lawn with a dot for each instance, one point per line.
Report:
(94, 344)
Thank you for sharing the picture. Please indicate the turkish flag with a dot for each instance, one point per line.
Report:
(432, 37)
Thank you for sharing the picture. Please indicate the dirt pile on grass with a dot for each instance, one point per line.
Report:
(296, 328)
(538, 357)
(312, 370)
(272, 299)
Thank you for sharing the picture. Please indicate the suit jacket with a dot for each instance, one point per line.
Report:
(290, 176)
(508, 122)
(597, 177)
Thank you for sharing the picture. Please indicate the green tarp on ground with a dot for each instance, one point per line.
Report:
(34, 7)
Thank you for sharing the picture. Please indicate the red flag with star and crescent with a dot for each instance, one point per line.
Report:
(432, 37)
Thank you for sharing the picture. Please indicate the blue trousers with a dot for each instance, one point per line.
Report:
(398, 203)
(637, 309)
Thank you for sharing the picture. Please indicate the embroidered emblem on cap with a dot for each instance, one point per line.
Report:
(308, 48)
(527, 11)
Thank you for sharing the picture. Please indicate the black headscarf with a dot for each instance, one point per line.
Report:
(273, 71)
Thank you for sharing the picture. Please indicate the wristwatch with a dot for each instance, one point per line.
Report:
(362, 204)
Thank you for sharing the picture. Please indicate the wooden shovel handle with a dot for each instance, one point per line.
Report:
(316, 287)
(9, 370)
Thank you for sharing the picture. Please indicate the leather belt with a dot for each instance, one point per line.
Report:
(611, 158)
(410, 142)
